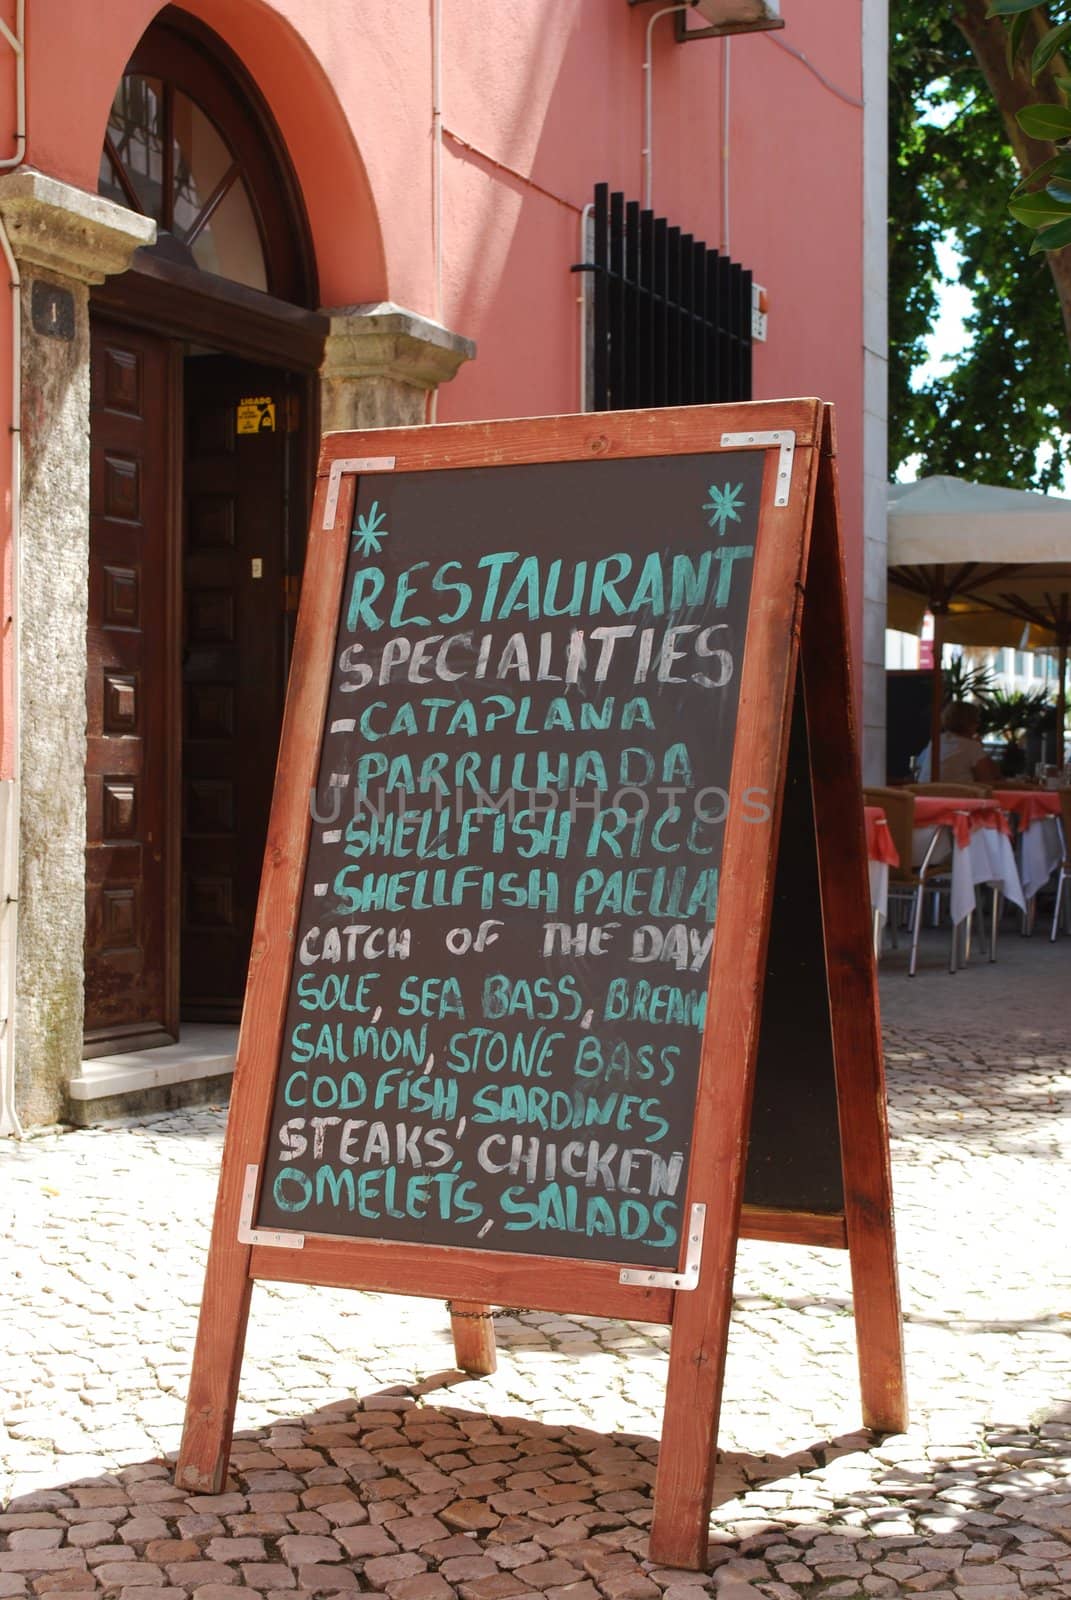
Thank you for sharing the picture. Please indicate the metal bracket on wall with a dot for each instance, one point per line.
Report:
(786, 438)
(350, 464)
(247, 1234)
(689, 1278)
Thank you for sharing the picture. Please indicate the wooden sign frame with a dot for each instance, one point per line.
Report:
(797, 624)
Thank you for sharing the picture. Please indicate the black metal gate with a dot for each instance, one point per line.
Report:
(671, 319)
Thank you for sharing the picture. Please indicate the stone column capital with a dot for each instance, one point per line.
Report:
(77, 235)
(380, 361)
(382, 340)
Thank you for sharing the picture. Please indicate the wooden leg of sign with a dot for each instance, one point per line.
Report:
(474, 1338)
(217, 1365)
(217, 1359)
(684, 1486)
(852, 973)
(217, 1355)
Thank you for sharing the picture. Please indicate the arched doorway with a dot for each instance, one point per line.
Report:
(202, 432)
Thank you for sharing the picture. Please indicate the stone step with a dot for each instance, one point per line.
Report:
(195, 1071)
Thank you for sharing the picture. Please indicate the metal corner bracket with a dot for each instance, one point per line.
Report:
(247, 1234)
(786, 438)
(689, 1278)
(350, 464)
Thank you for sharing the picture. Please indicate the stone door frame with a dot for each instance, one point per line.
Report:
(380, 363)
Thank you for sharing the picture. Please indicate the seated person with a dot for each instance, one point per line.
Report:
(963, 757)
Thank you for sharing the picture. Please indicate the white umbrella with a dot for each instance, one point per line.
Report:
(950, 519)
(989, 563)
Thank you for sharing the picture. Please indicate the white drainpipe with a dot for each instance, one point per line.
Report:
(647, 153)
(436, 175)
(10, 806)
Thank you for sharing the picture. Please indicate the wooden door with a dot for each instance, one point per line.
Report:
(131, 981)
(244, 488)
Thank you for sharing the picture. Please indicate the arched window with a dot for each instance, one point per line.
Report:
(190, 143)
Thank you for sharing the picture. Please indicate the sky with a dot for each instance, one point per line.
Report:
(947, 337)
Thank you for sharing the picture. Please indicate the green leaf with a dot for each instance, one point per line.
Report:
(1053, 41)
(1058, 166)
(1054, 238)
(1045, 122)
(1038, 210)
(1015, 28)
(1058, 191)
(1043, 171)
(1064, 85)
(1010, 8)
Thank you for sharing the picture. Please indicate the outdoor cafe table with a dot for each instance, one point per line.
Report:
(981, 847)
(881, 854)
(1036, 812)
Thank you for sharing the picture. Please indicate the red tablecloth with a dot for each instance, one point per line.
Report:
(1029, 805)
(879, 841)
(962, 815)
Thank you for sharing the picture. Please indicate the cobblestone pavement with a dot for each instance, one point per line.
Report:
(364, 1463)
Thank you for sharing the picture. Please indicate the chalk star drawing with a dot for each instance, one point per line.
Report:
(724, 505)
(369, 533)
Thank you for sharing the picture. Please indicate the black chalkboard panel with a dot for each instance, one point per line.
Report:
(794, 1157)
(497, 998)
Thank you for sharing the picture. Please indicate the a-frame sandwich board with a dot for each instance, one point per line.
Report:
(618, 495)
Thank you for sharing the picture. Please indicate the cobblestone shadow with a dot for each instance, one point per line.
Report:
(404, 1495)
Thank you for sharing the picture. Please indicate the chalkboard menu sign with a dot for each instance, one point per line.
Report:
(562, 977)
(500, 978)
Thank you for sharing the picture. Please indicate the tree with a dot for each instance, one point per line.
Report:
(956, 153)
(1027, 78)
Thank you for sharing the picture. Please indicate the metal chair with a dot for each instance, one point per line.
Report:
(906, 883)
(1063, 822)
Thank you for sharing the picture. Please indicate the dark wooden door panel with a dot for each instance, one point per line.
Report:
(238, 552)
(130, 980)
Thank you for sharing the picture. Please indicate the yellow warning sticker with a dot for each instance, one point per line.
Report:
(256, 414)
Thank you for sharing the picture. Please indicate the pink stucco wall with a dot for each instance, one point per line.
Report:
(541, 99)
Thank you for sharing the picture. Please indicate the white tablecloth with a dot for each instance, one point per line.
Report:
(988, 858)
(1040, 854)
(879, 888)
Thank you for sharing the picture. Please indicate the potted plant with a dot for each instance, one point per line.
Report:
(1020, 718)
